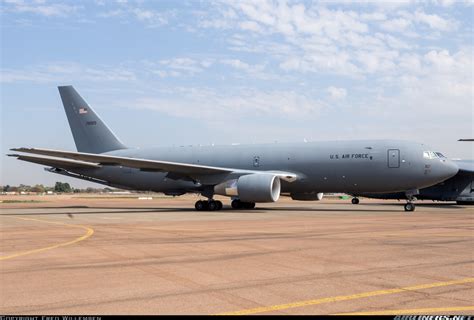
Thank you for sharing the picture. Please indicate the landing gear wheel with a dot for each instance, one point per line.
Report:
(212, 205)
(410, 207)
(236, 204)
(199, 205)
(219, 205)
(355, 201)
(249, 205)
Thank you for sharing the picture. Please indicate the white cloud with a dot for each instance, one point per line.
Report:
(317, 39)
(65, 72)
(338, 63)
(446, 3)
(251, 26)
(437, 84)
(160, 73)
(249, 70)
(208, 104)
(151, 17)
(410, 63)
(396, 25)
(384, 44)
(40, 8)
(373, 16)
(184, 65)
(457, 64)
(236, 63)
(395, 43)
(337, 93)
(221, 24)
(112, 13)
(434, 21)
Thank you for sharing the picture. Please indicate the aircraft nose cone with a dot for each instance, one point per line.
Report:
(448, 169)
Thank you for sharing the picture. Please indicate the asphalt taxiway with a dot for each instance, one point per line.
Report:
(114, 255)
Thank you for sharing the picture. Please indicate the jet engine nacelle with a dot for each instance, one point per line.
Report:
(257, 187)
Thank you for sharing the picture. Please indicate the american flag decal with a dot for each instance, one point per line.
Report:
(82, 110)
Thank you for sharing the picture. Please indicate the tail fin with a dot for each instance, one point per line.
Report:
(90, 133)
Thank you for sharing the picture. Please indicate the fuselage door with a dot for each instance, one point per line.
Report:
(393, 158)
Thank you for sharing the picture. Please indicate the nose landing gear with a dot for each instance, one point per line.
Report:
(409, 206)
(355, 200)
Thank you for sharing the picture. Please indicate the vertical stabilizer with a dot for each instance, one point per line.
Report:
(90, 134)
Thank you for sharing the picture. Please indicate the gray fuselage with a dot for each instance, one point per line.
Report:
(376, 166)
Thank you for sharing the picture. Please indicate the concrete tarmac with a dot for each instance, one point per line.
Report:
(119, 255)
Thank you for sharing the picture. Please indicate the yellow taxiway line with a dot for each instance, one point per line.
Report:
(409, 311)
(361, 295)
(89, 233)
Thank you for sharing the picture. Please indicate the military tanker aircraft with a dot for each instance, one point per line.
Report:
(248, 174)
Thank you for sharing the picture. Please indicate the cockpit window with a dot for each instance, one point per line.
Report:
(431, 155)
(439, 154)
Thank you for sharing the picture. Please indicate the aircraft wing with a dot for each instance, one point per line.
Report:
(180, 169)
(57, 163)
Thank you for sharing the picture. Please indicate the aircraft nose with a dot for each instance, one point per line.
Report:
(448, 169)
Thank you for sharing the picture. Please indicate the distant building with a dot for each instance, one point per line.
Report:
(120, 192)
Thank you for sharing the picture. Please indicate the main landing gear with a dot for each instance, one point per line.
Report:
(210, 205)
(213, 205)
(237, 204)
(355, 200)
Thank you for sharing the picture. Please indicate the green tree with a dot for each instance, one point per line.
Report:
(67, 188)
(24, 187)
(12, 189)
(39, 188)
(62, 187)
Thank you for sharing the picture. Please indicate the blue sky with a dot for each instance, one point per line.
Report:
(200, 72)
